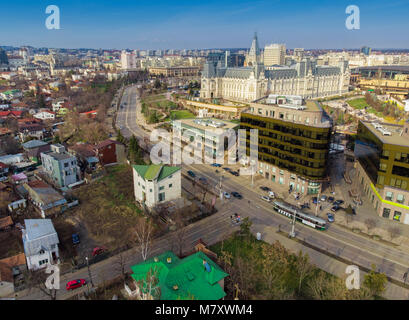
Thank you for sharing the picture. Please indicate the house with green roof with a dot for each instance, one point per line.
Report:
(167, 277)
(154, 184)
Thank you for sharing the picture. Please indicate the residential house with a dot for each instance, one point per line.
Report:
(11, 270)
(154, 184)
(31, 128)
(110, 152)
(193, 277)
(5, 132)
(4, 171)
(34, 148)
(11, 114)
(46, 199)
(86, 156)
(45, 115)
(40, 242)
(61, 166)
(89, 114)
(11, 94)
(19, 178)
(6, 223)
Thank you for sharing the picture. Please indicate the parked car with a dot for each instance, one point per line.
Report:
(265, 198)
(271, 194)
(331, 199)
(74, 284)
(335, 208)
(330, 217)
(226, 195)
(315, 200)
(264, 188)
(237, 195)
(191, 173)
(234, 173)
(75, 238)
(98, 250)
(226, 169)
(217, 165)
(323, 198)
(338, 202)
(203, 180)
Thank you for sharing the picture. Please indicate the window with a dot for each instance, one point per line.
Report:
(162, 196)
(281, 180)
(397, 155)
(385, 153)
(381, 180)
(170, 185)
(386, 212)
(400, 198)
(150, 190)
(396, 215)
(161, 188)
(66, 165)
(383, 166)
(389, 196)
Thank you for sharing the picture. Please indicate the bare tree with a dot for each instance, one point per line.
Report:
(370, 224)
(394, 232)
(37, 280)
(303, 268)
(149, 286)
(180, 232)
(143, 233)
(120, 263)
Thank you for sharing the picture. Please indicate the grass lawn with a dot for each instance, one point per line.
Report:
(359, 103)
(181, 114)
(107, 207)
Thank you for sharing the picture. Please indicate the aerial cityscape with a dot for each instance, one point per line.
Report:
(212, 151)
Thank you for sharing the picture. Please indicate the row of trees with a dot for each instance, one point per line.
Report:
(386, 108)
(261, 271)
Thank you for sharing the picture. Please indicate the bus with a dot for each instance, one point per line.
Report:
(288, 210)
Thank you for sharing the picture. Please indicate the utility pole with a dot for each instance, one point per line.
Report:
(292, 233)
(89, 272)
(318, 200)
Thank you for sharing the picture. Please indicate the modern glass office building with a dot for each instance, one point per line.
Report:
(293, 141)
(382, 151)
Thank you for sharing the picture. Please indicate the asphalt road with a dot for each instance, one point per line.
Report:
(347, 245)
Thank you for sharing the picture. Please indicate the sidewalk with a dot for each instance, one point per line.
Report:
(322, 261)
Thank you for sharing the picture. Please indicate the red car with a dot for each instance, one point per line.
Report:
(97, 251)
(74, 284)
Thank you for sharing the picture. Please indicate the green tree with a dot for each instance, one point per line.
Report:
(157, 84)
(245, 227)
(375, 281)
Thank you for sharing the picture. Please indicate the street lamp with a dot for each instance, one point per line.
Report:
(292, 233)
(89, 272)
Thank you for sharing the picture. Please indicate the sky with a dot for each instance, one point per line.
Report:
(195, 24)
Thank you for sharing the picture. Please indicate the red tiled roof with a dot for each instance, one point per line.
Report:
(5, 222)
(38, 184)
(6, 265)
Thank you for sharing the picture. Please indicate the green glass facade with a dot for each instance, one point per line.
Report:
(386, 164)
(295, 147)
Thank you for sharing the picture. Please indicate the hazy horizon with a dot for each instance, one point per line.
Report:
(214, 24)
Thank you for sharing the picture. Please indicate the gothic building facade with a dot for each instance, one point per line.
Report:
(254, 81)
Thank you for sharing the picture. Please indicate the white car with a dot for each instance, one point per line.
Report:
(271, 194)
(265, 198)
(226, 195)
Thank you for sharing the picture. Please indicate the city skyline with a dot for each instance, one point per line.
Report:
(230, 24)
